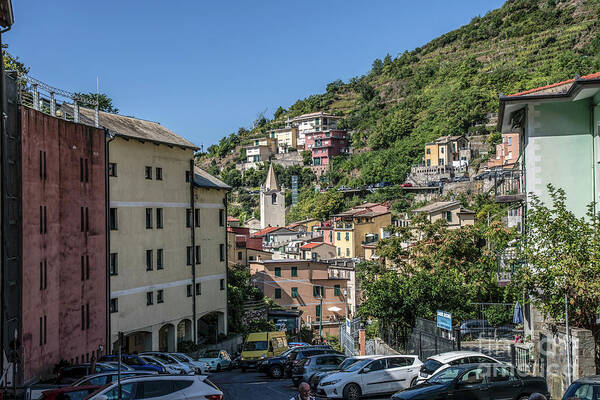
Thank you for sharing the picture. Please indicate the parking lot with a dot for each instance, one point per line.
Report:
(254, 385)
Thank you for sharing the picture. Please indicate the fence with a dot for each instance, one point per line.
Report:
(426, 340)
(349, 337)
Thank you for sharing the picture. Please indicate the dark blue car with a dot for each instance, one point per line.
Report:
(134, 361)
(476, 382)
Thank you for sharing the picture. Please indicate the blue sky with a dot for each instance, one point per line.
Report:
(205, 68)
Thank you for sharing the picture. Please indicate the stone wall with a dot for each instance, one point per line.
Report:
(379, 347)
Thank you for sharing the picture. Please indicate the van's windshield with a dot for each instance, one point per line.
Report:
(253, 346)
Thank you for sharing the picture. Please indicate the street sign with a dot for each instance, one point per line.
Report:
(444, 320)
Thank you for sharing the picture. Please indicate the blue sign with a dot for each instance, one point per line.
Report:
(444, 320)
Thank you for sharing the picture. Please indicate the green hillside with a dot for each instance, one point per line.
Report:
(448, 86)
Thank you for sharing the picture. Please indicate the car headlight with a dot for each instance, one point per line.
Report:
(263, 357)
(329, 383)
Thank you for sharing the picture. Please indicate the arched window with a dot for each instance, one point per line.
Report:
(274, 198)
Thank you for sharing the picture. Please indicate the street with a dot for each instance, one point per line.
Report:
(254, 385)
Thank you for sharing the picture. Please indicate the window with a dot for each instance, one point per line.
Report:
(294, 292)
(277, 271)
(317, 291)
(449, 216)
(159, 218)
(318, 312)
(339, 249)
(509, 141)
(148, 172)
(347, 252)
(158, 174)
(159, 259)
(197, 218)
(149, 298)
(428, 151)
(112, 169)
(189, 290)
(159, 296)
(43, 220)
(278, 293)
(114, 305)
(336, 290)
(274, 198)
(294, 271)
(43, 274)
(114, 264)
(189, 255)
(347, 236)
(87, 316)
(82, 317)
(85, 219)
(198, 255)
(222, 252)
(239, 256)
(43, 175)
(221, 217)
(148, 260)
(251, 258)
(148, 218)
(188, 176)
(188, 218)
(339, 236)
(113, 219)
(331, 236)
(198, 289)
(222, 284)
(85, 267)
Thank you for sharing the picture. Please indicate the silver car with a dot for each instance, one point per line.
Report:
(310, 366)
(172, 361)
(105, 378)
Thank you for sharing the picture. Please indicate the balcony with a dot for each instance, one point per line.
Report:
(508, 187)
(507, 264)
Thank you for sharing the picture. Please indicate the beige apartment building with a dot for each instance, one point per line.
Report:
(361, 224)
(455, 215)
(447, 150)
(167, 261)
(286, 138)
(304, 285)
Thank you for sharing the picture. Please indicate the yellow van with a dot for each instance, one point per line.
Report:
(261, 345)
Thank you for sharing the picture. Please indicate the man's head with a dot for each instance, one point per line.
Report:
(304, 390)
(537, 396)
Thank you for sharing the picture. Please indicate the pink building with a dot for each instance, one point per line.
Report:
(63, 266)
(507, 152)
(324, 145)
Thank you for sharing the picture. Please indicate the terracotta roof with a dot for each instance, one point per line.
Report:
(559, 87)
(311, 245)
(131, 127)
(232, 219)
(267, 230)
(437, 206)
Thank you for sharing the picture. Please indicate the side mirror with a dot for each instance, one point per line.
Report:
(365, 370)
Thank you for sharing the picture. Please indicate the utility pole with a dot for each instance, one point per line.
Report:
(321, 314)
(568, 339)
(120, 343)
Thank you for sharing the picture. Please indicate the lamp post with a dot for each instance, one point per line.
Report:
(321, 316)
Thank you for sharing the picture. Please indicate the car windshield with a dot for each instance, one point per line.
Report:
(252, 346)
(285, 353)
(346, 363)
(430, 366)
(587, 391)
(152, 361)
(163, 358)
(179, 357)
(445, 376)
(211, 354)
(357, 365)
(131, 361)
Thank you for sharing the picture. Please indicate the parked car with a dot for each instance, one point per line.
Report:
(306, 368)
(584, 388)
(482, 328)
(104, 378)
(115, 365)
(376, 375)
(406, 185)
(168, 368)
(276, 366)
(305, 352)
(217, 360)
(462, 179)
(202, 366)
(173, 362)
(261, 345)
(435, 364)
(172, 387)
(134, 361)
(69, 374)
(316, 378)
(69, 393)
(344, 187)
(477, 381)
(291, 345)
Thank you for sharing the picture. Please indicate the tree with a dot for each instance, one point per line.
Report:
(12, 63)
(377, 66)
(239, 291)
(387, 60)
(306, 157)
(105, 103)
(279, 112)
(562, 254)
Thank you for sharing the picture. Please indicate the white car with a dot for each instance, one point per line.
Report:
(217, 360)
(169, 369)
(104, 378)
(161, 387)
(172, 361)
(439, 362)
(376, 375)
(202, 366)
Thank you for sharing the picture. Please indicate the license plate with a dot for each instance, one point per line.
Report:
(423, 375)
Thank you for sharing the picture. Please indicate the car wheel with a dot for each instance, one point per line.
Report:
(276, 372)
(352, 392)
(218, 367)
(413, 382)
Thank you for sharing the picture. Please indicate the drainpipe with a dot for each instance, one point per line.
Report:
(193, 237)
(110, 137)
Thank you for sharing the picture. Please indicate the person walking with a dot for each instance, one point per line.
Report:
(303, 393)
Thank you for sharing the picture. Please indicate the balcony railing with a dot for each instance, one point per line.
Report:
(508, 263)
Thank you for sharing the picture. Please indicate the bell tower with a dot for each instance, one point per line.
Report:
(272, 201)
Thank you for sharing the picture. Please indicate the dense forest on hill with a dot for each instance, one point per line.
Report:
(448, 86)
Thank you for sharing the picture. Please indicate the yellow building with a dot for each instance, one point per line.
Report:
(285, 137)
(447, 150)
(453, 212)
(360, 225)
(307, 225)
(165, 216)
